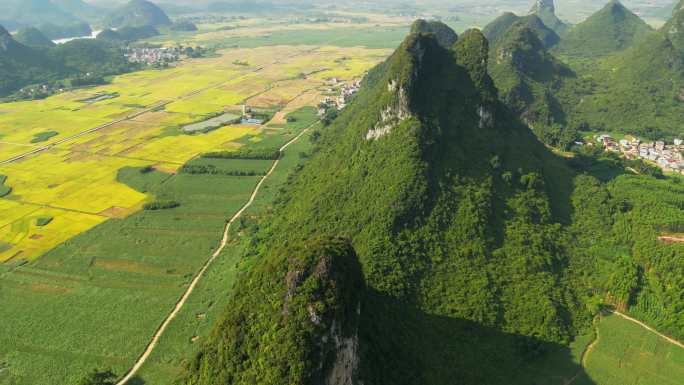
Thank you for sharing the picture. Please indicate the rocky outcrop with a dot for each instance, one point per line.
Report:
(446, 37)
(332, 309)
(547, 5)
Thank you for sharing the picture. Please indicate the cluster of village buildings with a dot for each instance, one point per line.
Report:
(347, 90)
(153, 56)
(667, 156)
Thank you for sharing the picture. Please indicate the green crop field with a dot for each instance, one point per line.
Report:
(209, 299)
(627, 354)
(124, 275)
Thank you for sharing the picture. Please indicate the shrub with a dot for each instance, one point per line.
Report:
(161, 205)
(256, 153)
(43, 221)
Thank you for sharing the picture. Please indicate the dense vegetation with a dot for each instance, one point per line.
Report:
(33, 37)
(138, 13)
(529, 78)
(82, 61)
(620, 76)
(613, 28)
(498, 30)
(546, 11)
(268, 153)
(61, 31)
(161, 205)
(453, 217)
(128, 34)
(4, 188)
(445, 35)
(482, 252)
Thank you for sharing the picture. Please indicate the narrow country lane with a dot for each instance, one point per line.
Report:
(179, 305)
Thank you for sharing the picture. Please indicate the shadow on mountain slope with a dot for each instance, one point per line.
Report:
(404, 345)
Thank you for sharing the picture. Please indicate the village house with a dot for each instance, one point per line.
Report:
(668, 157)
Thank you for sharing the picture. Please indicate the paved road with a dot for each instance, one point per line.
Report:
(179, 305)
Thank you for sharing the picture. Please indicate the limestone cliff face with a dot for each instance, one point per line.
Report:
(6, 40)
(327, 290)
(543, 5)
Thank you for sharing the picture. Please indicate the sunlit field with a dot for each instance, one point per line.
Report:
(78, 252)
(78, 176)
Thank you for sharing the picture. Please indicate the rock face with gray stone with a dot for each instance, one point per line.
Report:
(546, 10)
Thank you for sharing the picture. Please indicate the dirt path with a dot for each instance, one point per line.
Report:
(585, 354)
(671, 239)
(593, 344)
(179, 305)
(643, 325)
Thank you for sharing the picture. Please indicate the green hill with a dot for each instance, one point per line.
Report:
(128, 34)
(546, 11)
(62, 31)
(638, 90)
(34, 12)
(32, 37)
(138, 13)
(528, 78)
(451, 207)
(445, 35)
(79, 8)
(611, 29)
(22, 66)
(672, 29)
(497, 30)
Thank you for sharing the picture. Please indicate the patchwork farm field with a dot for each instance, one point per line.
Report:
(102, 228)
(78, 175)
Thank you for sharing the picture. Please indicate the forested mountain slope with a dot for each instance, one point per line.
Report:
(21, 65)
(640, 90)
(546, 11)
(498, 29)
(454, 212)
(611, 29)
(528, 78)
(137, 13)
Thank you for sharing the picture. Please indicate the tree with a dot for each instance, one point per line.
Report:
(329, 116)
(96, 377)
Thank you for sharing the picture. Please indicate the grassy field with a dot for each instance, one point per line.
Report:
(120, 278)
(195, 321)
(627, 354)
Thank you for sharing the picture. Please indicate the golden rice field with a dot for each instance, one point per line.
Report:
(75, 181)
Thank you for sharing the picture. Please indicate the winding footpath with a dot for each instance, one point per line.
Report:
(643, 325)
(224, 241)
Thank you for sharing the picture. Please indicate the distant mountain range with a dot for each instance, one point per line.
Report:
(619, 75)
(35, 60)
(613, 28)
(137, 13)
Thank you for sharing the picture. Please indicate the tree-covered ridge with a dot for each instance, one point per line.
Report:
(309, 315)
(637, 91)
(21, 65)
(33, 37)
(528, 78)
(498, 30)
(546, 11)
(34, 12)
(444, 34)
(138, 13)
(454, 210)
(611, 29)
